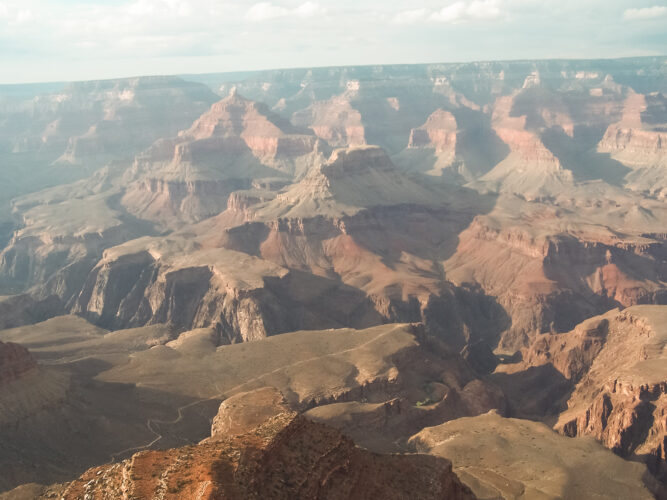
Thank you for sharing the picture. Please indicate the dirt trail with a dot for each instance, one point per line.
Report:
(222, 395)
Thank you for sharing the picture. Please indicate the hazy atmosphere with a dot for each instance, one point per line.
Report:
(66, 40)
(317, 250)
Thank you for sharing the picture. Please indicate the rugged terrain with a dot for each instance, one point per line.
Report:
(391, 248)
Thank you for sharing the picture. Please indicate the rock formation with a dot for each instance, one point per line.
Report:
(438, 133)
(621, 399)
(286, 457)
(389, 248)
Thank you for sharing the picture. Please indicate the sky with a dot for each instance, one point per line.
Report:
(66, 40)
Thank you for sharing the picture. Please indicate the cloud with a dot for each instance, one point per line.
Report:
(24, 16)
(450, 14)
(141, 8)
(308, 10)
(462, 11)
(645, 13)
(484, 9)
(265, 11)
(410, 16)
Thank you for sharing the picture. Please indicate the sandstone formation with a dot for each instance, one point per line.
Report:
(243, 412)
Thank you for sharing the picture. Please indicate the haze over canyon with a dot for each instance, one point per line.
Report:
(409, 281)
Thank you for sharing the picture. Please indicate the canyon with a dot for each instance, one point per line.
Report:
(399, 268)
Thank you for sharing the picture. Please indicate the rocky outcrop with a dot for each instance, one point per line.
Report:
(439, 132)
(621, 400)
(15, 360)
(286, 457)
(243, 412)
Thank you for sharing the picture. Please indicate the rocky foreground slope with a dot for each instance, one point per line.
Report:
(287, 456)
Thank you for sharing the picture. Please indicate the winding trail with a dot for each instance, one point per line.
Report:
(222, 395)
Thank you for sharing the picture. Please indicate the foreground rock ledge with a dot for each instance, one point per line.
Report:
(286, 457)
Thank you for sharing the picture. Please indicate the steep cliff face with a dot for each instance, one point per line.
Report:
(549, 276)
(243, 297)
(609, 371)
(60, 242)
(286, 457)
(621, 400)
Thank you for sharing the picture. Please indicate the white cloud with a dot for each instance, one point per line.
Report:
(308, 10)
(23, 16)
(462, 11)
(410, 16)
(265, 11)
(484, 9)
(450, 14)
(4, 11)
(645, 13)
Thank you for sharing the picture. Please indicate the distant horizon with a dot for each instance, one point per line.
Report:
(75, 40)
(296, 68)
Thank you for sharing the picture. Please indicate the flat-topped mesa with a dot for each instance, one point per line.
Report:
(356, 161)
(15, 360)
